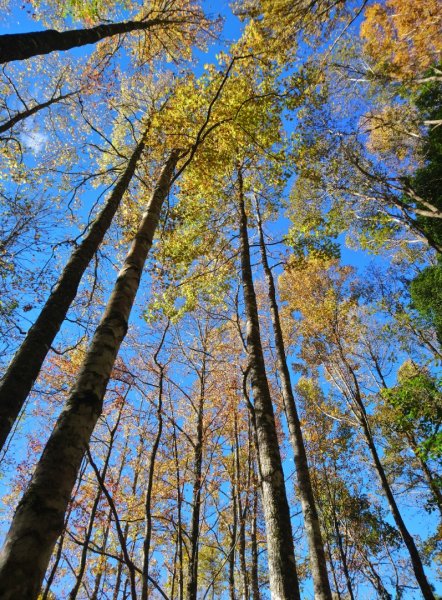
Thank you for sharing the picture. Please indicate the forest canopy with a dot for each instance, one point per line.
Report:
(221, 300)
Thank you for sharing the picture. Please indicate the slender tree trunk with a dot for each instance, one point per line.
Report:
(93, 512)
(254, 571)
(192, 581)
(355, 398)
(25, 367)
(418, 567)
(21, 116)
(375, 579)
(318, 563)
(281, 556)
(429, 475)
(39, 518)
(241, 513)
(343, 556)
(333, 570)
(233, 534)
(150, 477)
(179, 519)
(18, 46)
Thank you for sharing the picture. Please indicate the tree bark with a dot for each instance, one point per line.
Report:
(26, 364)
(318, 563)
(281, 556)
(19, 46)
(39, 517)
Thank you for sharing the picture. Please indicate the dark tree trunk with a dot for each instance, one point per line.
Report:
(150, 478)
(233, 534)
(21, 374)
(21, 116)
(39, 518)
(241, 519)
(254, 571)
(179, 518)
(318, 563)
(418, 567)
(192, 581)
(281, 556)
(93, 512)
(18, 46)
(361, 414)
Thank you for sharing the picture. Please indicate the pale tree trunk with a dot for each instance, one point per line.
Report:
(281, 556)
(39, 518)
(318, 563)
(21, 374)
(19, 46)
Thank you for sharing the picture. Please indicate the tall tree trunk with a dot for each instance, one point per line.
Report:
(39, 517)
(25, 367)
(428, 474)
(179, 517)
(18, 46)
(93, 511)
(233, 535)
(192, 581)
(416, 562)
(361, 414)
(254, 571)
(241, 513)
(318, 563)
(150, 477)
(281, 556)
(343, 556)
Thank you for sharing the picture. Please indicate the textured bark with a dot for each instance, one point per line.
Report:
(192, 577)
(254, 571)
(39, 518)
(21, 374)
(318, 563)
(281, 556)
(19, 46)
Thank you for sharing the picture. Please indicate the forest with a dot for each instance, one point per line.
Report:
(221, 300)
